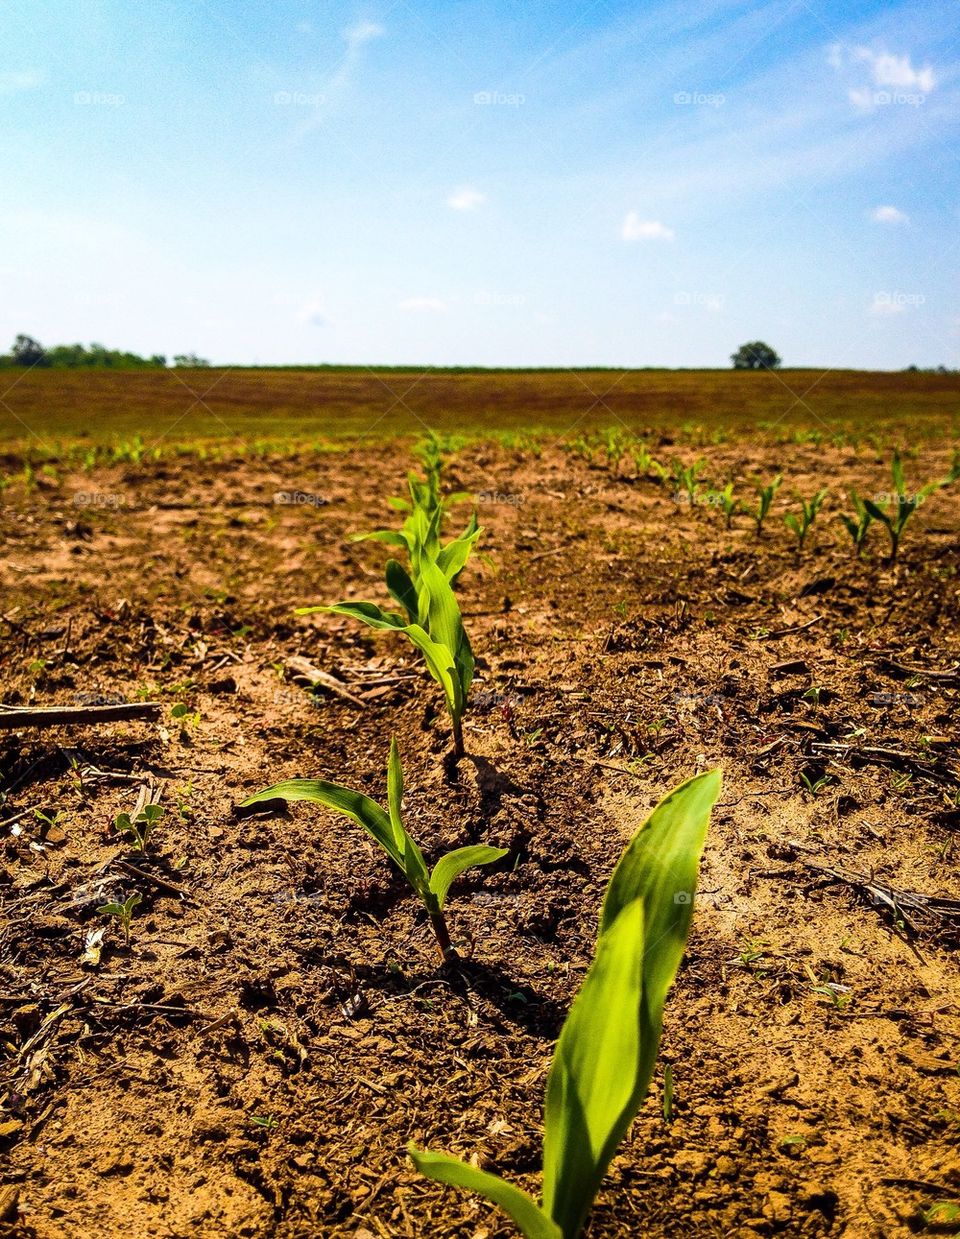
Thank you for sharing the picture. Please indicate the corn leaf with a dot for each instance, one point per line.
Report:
(877, 513)
(401, 588)
(449, 867)
(608, 1046)
(440, 615)
(897, 470)
(455, 554)
(531, 1220)
(414, 866)
(364, 811)
(440, 660)
(597, 1078)
(391, 536)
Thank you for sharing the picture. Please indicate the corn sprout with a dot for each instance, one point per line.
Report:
(906, 504)
(607, 1049)
(800, 525)
(387, 830)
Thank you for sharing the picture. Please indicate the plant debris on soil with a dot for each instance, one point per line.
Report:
(279, 1027)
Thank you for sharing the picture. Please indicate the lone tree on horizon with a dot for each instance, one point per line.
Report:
(755, 356)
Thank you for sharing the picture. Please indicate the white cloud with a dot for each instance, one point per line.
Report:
(363, 32)
(890, 70)
(466, 199)
(889, 215)
(637, 229)
(313, 314)
(13, 82)
(424, 305)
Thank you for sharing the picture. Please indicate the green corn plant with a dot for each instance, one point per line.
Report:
(615, 447)
(906, 505)
(605, 1056)
(432, 623)
(858, 524)
(123, 912)
(685, 478)
(645, 463)
(800, 525)
(765, 496)
(387, 830)
(727, 504)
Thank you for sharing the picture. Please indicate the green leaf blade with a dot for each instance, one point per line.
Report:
(449, 867)
(531, 1220)
(361, 809)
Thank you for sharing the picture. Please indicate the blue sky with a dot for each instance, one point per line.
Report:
(449, 183)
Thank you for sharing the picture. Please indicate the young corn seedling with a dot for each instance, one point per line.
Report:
(432, 623)
(685, 479)
(387, 830)
(605, 1056)
(765, 497)
(858, 524)
(727, 504)
(800, 525)
(906, 505)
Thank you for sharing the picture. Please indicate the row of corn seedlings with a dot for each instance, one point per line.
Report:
(605, 1056)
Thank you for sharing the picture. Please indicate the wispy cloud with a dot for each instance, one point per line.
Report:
(888, 72)
(889, 215)
(423, 305)
(337, 85)
(362, 32)
(637, 229)
(12, 82)
(466, 198)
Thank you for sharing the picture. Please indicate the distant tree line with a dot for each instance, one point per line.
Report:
(29, 352)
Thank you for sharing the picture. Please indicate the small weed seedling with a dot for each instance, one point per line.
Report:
(800, 525)
(140, 828)
(607, 1049)
(434, 625)
(858, 524)
(123, 912)
(765, 497)
(906, 505)
(387, 830)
